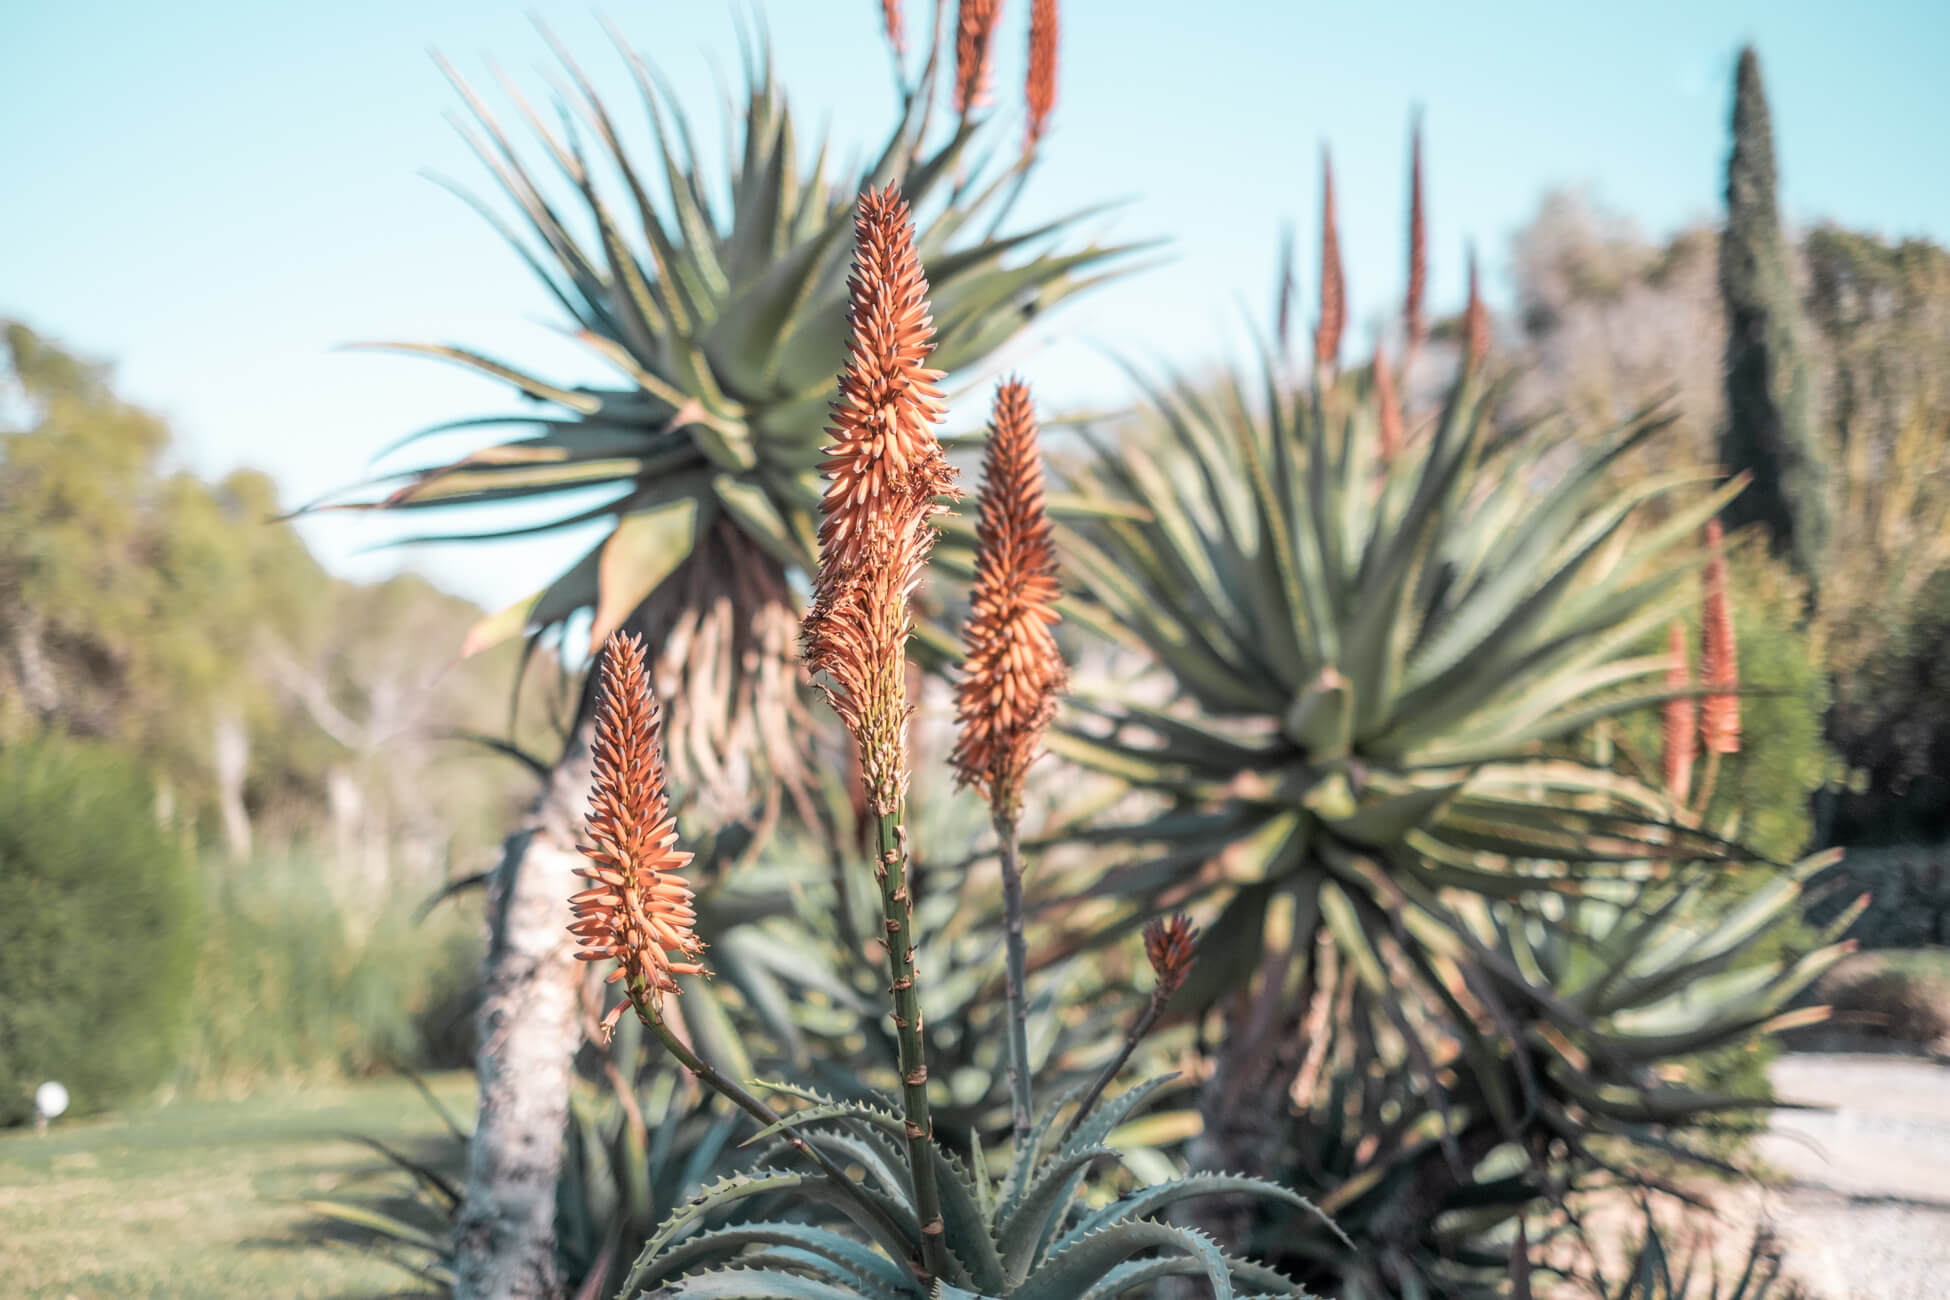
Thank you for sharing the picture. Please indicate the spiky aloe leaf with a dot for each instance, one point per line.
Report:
(846, 1261)
(1148, 1201)
(1083, 1262)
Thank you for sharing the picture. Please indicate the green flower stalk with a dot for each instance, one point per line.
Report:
(1013, 674)
(884, 471)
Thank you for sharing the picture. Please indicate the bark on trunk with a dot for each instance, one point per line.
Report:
(529, 1032)
(231, 745)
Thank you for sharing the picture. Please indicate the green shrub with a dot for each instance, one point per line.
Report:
(1901, 999)
(293, 985)
(1909, 895)
(96, 906)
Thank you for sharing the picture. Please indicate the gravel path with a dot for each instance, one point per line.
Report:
(1864, 1206)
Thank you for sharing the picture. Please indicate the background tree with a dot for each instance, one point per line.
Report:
(1771, 427)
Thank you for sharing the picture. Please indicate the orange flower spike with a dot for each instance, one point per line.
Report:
(1013, 669)
(1390, 405)
(885, 458)
(858, 636)
(1039, 91)
(1476, 322)
(974, 41)
(1720, 712)
(1333, 284)
(884, 470)
(1170, 944)
(891, 15)
(1415, 324)
(1679, 738)
(639, 911)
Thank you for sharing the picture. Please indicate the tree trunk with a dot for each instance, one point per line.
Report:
(529, 1032)
(232, 748)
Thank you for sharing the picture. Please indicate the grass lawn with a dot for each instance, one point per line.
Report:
(203, 1199)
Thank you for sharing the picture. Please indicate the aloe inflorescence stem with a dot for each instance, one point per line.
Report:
(1680, 738)
(1170, 945)
(1333, 283)
(1013, 674)
(1719, 713)
(884, 471)
(974, 44)
(1039, 86)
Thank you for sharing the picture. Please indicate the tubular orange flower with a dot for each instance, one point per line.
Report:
(1170, 944)
(1014, 670)
(884, 470)
(1039, 91)
(1680, 738)
(1720, 711)
(638, 912)
(1390, 404)
(1413, 320)
(974, 33)
(1333, 287)
(891, 13)
(1476, 321)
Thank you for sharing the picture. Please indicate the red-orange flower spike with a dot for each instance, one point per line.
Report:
(1013, 669)
(890, 11)
(974, 41)
(1390, 406)
(1333, 285)
(885, 460)
(1720, 711)
(1476, 321)
(1679, 738)
(884, 471)
(857, 635)
(1039, 91)
(1414, 322)
(638, 914)
(1170, 944)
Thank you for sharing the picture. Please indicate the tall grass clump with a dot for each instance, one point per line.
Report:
(97, 900)
(293, 985)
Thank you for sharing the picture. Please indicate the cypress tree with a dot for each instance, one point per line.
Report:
(1770, 427)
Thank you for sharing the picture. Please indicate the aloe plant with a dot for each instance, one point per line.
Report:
(717, 296)
(1379, 666)
(1024, 1234)
(1598, 1080)
(719, 302)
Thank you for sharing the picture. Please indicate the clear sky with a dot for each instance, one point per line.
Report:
(216, 193)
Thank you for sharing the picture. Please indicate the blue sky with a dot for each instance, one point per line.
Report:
(217, 193)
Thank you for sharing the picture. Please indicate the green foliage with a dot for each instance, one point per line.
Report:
(1391, 661)
(97, 906)
(296, 985)
(1771, 428)
(1019, 1235)
(630, 1163)
(1656, 1271)
(1891, 724)
(1908, 890)
(154, 611)
(1618, 1015)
